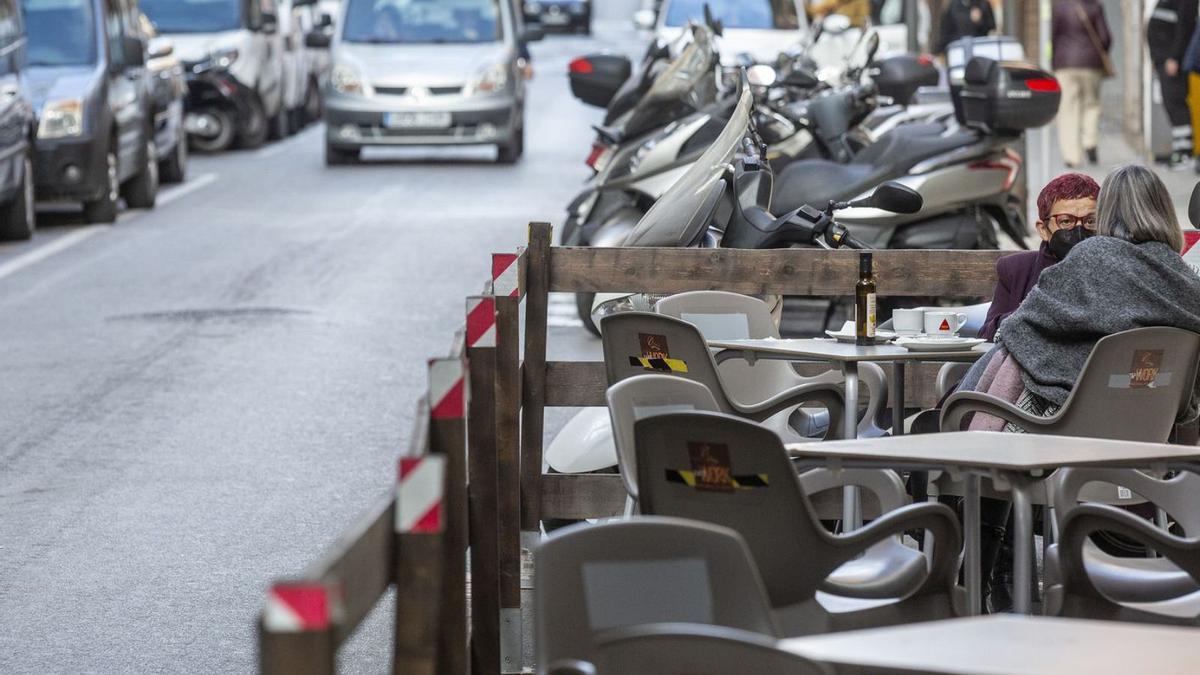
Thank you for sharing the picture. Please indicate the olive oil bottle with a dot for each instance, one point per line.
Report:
(864, 302)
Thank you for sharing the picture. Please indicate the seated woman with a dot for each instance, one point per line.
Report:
(1066, 216)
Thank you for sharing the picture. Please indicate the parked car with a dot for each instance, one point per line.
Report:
(90, 88)
(301, 91)
(16, 130)
(233, 54)
(168, 90)
(758, 28)
(569, 15)
(412, 72)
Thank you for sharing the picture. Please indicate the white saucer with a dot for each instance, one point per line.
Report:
(882, 335)
(927, 343)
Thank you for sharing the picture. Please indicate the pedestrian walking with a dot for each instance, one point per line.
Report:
(965, 18)
(1167, 34)
(1080, 39)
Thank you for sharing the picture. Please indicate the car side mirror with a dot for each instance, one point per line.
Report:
(269, 23)
(134, 51)
(645, 19)
(325, 20)
(892, 197)
(318, 39)
(760, 75)
(533, 32)
(1194, 207)
(160, 48)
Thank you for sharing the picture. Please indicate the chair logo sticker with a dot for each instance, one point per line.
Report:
(656, 355)
(712, 471)
(1146, 364)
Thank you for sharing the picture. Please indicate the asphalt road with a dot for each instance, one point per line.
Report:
(200, 398)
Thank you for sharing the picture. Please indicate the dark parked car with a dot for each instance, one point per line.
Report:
(16, 130)
(92, 94)
(569, 15)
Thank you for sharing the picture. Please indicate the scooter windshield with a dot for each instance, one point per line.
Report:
(681, 215)
(681, 78)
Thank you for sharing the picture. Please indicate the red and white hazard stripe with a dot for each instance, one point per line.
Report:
(504, 275)
(447, 389)
(481, 321)
(419, 494)
(296, 607)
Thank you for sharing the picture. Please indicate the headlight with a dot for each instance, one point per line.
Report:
(532, 8)
(346, 80)
(224, 58)
(61, 118)
(492, 79)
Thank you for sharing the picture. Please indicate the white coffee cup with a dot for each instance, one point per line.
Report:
(943, 324)
(908, 321)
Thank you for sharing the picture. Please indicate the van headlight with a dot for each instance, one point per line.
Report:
(490, 80)
(61, 118)
(223, 58)
(345, 79)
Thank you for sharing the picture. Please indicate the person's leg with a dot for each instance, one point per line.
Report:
(1068, 116)
(1174, 93)
(993, 520)
(1090, 103)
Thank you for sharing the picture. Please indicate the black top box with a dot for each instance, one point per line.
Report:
(1006, 98)
(899, 77)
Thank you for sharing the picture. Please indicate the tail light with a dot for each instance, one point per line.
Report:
(598, 157)
(580, 66)
(1010, 162)
(1046, 85)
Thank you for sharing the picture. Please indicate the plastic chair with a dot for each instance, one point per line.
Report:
(635, 341)
(1128, 580)
(1105, 399)
(1075, 595)
(731, 316)
(687, 649)
(724, 470)
(591, 578)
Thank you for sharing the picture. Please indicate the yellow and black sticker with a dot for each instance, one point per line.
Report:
(736, 482)
(711, 470)
(659, 365)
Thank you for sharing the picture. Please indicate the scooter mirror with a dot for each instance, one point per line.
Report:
(644, 19)
(835, 24)
(760, 75)
(872, 46)
(1194, 207)
(801, 78)
(893, 197)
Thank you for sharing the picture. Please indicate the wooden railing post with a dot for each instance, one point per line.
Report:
(420, 491)
(447, 437)
(536, 279)
(483, 498)
(508, 423)
(296, 633)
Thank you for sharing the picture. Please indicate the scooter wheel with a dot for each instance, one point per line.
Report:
(583, 305)
(215, 131)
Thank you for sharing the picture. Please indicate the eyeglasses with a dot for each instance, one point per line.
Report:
(1066, 221)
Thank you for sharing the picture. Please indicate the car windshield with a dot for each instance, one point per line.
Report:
(422, 21)
(194, 16)
(765, 14)
(60, 32)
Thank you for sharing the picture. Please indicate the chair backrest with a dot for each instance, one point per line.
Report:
(725, 470)
(591, 578)
(1179, 495)
(683, 649)
(636, 343)
(645, 395)
(1132, 386)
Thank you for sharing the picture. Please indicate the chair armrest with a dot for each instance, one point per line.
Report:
(829, 395)
(937, 518)
(963, 403)
(571, 667)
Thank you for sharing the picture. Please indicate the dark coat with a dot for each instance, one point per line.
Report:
(1170, 28)
(1073, 47)
(1016, 275)
(956, 22)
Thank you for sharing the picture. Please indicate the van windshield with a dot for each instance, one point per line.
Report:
(764, 14)
(60, 32)
(193, 16)
(422, 21)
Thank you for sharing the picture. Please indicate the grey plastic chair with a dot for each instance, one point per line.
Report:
(1076, 596)
(724, 470)
(630, 336)
(1103, 402)
(687, 649)
(592, 578)
(1129, 580)
(731, 316)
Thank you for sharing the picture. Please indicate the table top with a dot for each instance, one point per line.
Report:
(1010, 644)
(997, 450)
(822, 349)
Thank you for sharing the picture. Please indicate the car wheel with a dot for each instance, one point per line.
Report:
(312, 103)
(254, 129)
(218, 134)
(339, 156)
(511, 151)
(17, 219)
(141, 191)
(279, 124)
(104, 209)
(173, 169)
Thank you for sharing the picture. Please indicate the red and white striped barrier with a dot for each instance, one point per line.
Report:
(481, 321)
(296, 608)
(505, 279)
(419, 494)
(447, 389)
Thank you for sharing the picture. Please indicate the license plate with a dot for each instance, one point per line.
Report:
(555, 19)
(417, 120)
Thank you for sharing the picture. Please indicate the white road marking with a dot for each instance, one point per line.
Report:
(171, 194)
(42, 252)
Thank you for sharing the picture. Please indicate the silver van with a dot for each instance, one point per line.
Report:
(425, 72)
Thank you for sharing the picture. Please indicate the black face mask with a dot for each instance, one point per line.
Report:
(1062, 241)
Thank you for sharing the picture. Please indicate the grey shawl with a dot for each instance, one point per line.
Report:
(1106, 285)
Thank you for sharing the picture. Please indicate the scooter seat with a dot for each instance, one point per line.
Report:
(818, 181)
